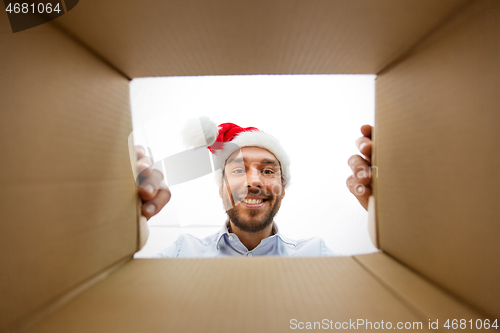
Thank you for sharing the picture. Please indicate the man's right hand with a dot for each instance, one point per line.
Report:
(359, 183)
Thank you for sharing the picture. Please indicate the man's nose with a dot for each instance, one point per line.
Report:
(254, 179)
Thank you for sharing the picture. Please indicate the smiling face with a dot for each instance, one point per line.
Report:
(252, 188)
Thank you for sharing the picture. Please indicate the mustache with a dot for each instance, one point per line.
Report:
(242, 195)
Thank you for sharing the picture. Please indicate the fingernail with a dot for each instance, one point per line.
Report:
(149, 188)
(362, 145)
(150, 209)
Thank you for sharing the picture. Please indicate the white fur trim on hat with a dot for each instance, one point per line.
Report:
(254, 139)
(200, 131)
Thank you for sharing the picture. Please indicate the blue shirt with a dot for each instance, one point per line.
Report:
(225, 244)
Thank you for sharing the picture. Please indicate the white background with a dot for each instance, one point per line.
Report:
(315, 117)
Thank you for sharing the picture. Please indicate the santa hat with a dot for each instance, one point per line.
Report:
(225, 139)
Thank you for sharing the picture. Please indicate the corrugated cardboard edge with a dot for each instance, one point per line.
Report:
(372, 221)
(372, 209)
(142, 223)
(41, 313)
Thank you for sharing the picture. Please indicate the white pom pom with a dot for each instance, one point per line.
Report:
(199, 132)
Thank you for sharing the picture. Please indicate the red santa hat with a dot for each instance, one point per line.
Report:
(225, 139)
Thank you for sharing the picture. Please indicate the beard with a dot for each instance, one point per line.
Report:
(255, 222)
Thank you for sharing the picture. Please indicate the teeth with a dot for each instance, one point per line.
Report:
(253, 201)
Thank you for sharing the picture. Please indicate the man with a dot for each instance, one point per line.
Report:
(254, 173)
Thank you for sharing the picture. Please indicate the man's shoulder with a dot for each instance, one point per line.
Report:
(193, 240)
(314, 246)
(188, 245)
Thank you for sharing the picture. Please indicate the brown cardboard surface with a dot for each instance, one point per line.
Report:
(437, 120)
(68, 195)
(224, 37)
(259, 294)
(69, 202)
(419, 294)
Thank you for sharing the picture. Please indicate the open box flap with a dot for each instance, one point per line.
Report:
(437, 120)
(68, 198)
(259, 294)
(224, 37)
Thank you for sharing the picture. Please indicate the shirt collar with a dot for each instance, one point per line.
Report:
(225, 231)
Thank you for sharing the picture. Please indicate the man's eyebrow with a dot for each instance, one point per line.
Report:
(263, 161)
(235, 160)
(269, 161)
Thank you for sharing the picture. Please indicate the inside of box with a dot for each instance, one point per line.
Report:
(436, 123)
(68, 195)
(182, 38)
(248, 294)
(68, 198)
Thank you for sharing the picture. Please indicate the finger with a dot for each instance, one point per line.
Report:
(360, 191)
(150, 185)
(153, 206)
(144, 167)
(364, 145)
(350, 183)
(360, 169)
(366, 130)
(140, 152)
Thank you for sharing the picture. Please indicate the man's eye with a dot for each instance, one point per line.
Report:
(238, 171)
(268, 172)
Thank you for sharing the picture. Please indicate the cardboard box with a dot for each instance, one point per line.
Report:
(68, 199)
